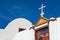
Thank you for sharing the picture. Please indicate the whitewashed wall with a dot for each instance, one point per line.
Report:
(13, 27)
(54, 29)
(25, 35)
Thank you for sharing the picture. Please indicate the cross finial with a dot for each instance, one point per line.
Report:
(42, 7)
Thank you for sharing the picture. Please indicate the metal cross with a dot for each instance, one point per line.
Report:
(42, 7)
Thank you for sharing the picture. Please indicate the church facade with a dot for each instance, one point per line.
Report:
(42, 32)
(42, 26)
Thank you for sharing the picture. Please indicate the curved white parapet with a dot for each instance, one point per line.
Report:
(12, 28)
(20, 23)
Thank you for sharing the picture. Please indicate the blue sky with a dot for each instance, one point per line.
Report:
(12, 9)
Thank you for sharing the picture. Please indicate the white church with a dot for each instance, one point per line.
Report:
(22, 29)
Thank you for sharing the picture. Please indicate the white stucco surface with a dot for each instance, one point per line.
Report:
(25, 35)
(12, 28)
(54, 29)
